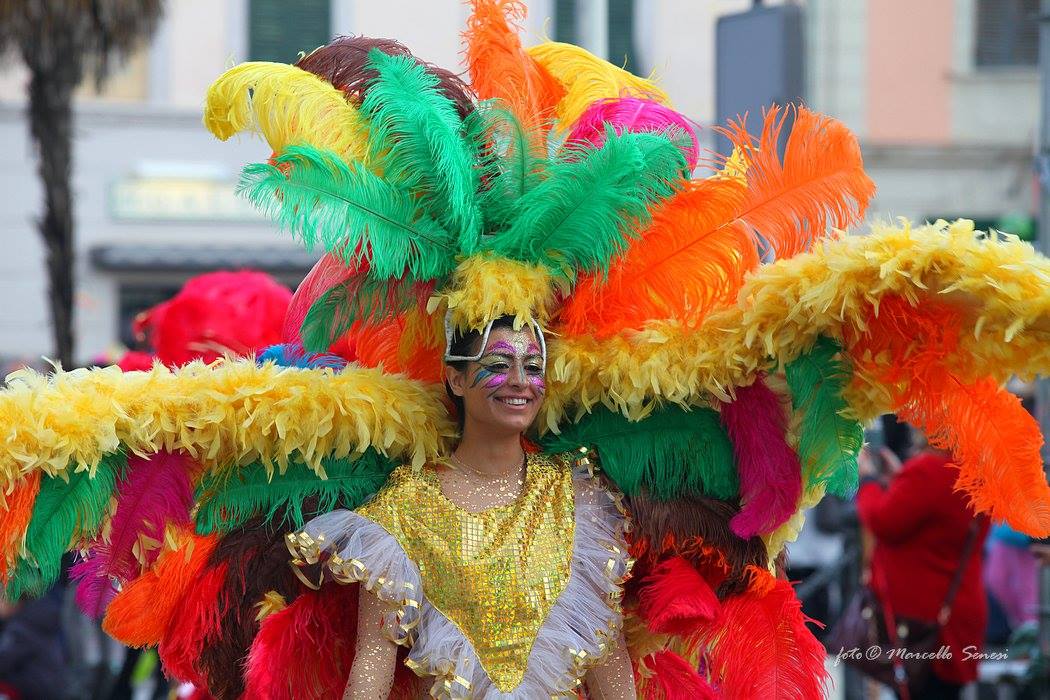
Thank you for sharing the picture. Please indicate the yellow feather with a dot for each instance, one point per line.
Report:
(587, 78)
(227, 414)
(789, 531)
(484, 288)
(285, 105)
(785, 305)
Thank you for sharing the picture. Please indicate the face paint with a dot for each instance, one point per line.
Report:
(521, 359)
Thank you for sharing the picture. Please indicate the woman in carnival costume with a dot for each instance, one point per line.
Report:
(540, 232)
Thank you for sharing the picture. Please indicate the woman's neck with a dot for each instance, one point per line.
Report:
(489, 454)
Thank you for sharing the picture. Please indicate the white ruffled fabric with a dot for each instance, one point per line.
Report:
(582, 626)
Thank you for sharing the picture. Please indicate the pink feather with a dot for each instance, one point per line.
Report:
(328, 272)
(155, 490)
(633, 114)
(770, 472)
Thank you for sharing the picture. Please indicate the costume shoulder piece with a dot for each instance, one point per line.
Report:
(715, 339)
(519, 600)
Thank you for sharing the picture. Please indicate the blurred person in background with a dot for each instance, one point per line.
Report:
(921, 529)
(31, 654)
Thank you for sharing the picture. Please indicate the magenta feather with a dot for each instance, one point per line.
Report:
(635, 115)
(770, 472)
(155, 490)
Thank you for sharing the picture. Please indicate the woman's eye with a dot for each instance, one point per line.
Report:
(498, 367)
(534, 369)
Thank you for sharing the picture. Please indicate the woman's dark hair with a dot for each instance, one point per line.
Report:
(466, 345)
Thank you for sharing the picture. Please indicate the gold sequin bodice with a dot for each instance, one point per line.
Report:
(496, 573)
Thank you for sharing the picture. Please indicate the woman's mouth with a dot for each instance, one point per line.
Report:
(516, 401)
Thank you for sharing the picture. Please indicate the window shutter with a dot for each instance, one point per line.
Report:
(278, 30)
(1007, 33)
(565, 21)
(621, 35)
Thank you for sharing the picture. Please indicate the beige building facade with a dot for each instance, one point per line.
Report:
(945, 132)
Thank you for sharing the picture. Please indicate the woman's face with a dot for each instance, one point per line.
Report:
(503, 389)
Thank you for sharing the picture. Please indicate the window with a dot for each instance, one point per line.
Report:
(278, 30)
(574, 23)
(621, 34)
(565, 21)
(1007, 33)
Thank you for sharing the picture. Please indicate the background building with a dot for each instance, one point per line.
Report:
(942, 93)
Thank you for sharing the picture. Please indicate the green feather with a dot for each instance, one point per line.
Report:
(417, 136)
(671, 453)
(512, 162)
(64, 512)
(227, 501)
(350, 211)
(361, 298)
(828, 441)
(592, 201)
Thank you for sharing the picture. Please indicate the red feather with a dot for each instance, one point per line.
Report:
(215, 314)
(675, 679)
(195, 620)
(156, 491)
(770, 472)
(762, 648)
(305, 650)
(675, 598)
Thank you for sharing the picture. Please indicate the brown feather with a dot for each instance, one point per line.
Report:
(696, 528)
(344, 63)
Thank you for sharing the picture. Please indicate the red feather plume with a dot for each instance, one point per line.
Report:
(676, 599)
(675, 679)
(196, 619)
(762, 648)
(305, 650)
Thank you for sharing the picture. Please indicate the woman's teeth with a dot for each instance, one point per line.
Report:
(514, 402)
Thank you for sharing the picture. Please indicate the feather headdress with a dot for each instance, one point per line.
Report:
(714, 343)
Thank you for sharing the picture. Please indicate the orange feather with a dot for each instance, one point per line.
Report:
(499, 66)
(18, 510)
(819, 183)
(995, 443)
(692, 258)
(914, 352)
(140, 613)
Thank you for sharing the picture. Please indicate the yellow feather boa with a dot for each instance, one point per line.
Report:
(1003, 287)
(227, 414)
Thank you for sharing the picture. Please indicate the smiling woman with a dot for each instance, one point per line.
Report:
(492, 563)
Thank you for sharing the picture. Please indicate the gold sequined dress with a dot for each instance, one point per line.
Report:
(516, 601)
